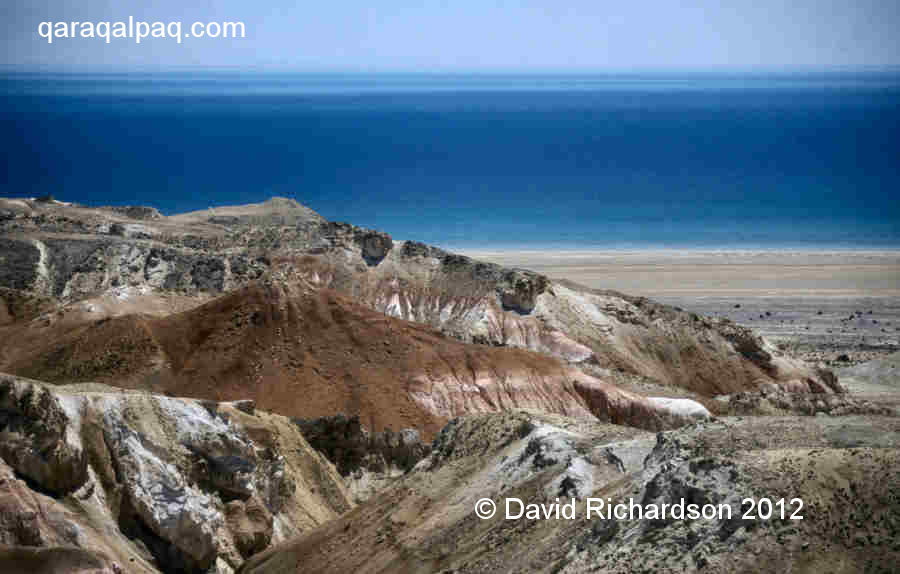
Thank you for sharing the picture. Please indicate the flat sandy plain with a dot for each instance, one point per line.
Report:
(822, 304)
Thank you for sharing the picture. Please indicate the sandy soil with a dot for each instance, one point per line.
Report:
(823, 305)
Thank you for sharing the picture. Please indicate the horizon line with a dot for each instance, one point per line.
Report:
(560, 71)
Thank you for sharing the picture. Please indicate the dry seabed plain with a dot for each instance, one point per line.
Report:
(839, 307)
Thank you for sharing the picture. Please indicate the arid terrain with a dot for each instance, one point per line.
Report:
(257, 389)
(834, 306)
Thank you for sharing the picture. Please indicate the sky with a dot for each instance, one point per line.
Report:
(470, 35)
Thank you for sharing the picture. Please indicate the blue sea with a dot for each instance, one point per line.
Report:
(667, 160)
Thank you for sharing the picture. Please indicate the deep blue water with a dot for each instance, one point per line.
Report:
(703, 160)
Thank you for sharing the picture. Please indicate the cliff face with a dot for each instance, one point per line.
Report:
(105, 262)
(145, 483)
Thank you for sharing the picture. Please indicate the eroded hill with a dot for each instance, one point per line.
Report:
(69, 265)
(309, 352)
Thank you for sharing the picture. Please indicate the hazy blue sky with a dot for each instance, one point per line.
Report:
(474, 34)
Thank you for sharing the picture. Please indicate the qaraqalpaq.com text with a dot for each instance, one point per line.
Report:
(138, 30)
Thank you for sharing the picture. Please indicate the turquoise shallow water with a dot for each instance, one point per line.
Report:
(808, 161)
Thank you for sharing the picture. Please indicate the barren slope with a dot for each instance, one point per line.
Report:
(842, 468)
(307, 352)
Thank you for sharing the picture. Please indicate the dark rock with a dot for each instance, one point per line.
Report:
(140, 212)
(208, 274)
(247, 406)
(416, 249)
(535, 448)
(18, 263)
(70, 256)
(375, 245)
(347, 444)
(520, 289)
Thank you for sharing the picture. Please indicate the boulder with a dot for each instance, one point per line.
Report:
(681, 407)
(375, 245)
(519, 290)
(37, 438)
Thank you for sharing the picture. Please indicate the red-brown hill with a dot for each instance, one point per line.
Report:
(306, 353)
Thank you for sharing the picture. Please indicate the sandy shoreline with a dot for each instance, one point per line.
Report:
(822, 304)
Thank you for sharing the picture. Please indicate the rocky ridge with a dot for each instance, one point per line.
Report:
(84, 261)
(425, 522)
(146, 483)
